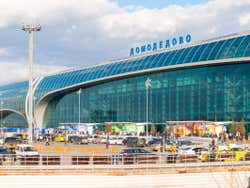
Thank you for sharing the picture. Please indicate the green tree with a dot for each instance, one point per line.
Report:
(108, 128)
(153, 129)
(238, 127)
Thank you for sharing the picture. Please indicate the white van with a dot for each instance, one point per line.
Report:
(23, 150)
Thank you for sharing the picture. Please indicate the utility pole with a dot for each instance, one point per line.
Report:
(79, 106)
(147, 85)
(30, 28)
(1, 118)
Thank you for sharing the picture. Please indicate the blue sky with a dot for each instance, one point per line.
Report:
(85, 32)
(157, 3)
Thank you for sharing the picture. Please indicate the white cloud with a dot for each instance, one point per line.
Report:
(46, 11)
(3, 52)
(244, 19)
(203, 19)
(14, 71)
(129, 22)
(82, 32)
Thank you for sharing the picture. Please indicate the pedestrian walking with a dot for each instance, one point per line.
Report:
(47, 141)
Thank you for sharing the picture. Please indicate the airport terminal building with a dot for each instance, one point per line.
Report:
(208, 81)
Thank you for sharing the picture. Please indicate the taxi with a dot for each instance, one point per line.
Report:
(59, 138)
(217, 154)
(238, 152)
(169, 147)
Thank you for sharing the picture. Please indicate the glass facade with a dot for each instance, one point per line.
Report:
(13, 96)
(216, 93)
(234, 47)
(13, 120)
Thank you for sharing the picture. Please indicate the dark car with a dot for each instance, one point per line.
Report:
(181, 143)
(11, 142)
(124, 142)
(4, 154)
(154, 141)
(136, 156)
(78, 139)
(135, 142)
(4, 151)
(135, 152)
(72, 138)
(43, 137)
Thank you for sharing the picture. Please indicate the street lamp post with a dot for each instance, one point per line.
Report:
(35, 131)
(1, 118)
(148, 85)
(79, 106)
(30, 28)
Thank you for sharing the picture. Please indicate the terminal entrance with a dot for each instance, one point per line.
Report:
(12, 119)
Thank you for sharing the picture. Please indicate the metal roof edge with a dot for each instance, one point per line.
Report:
(186, 45)
(225, 37)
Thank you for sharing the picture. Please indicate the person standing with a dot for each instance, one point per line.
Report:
(47, 141)
(107, 142)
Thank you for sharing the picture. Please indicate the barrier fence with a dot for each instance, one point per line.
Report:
(117, 159)
(69, 149)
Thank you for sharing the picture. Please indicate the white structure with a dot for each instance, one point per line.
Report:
(30, 28)
(147, 85)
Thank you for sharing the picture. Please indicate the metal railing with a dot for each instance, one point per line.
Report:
(154, 160)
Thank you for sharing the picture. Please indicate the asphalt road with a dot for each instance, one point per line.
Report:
(191, 180)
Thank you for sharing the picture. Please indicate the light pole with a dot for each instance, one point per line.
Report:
(30, 28)
(34, 128)
(1, 118)
(79, 106)
(147, 85)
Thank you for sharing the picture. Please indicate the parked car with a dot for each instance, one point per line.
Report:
(93, 139)
(124, 141)
(11, 142)
(184, 143)
(79, 140)
(23, 150)
(59, 138)
(135, 152)
(103, 140)
(154, 141)
(193, 150)
(113, 140)
(169, 146)
(135, 142)
(4, 151)
(239, 153)
(21, 136)
(71, 138)
(119, 140)
(27, 154)
(208, 156)
(135, 156)
(224, 153)
(43, 137)
(4, 154)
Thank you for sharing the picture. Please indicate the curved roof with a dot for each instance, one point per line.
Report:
(14, 90)
(229, 47)
(234, 46)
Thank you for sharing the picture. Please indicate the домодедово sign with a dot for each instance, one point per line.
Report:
(160, 45)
